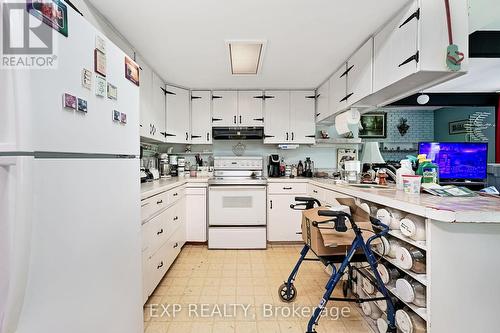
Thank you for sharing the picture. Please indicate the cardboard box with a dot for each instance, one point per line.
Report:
(325, 241)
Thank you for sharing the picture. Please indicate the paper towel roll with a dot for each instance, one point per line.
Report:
(343, 120)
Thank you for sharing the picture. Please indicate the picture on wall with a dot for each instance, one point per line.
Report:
(53, 13)
(343, 155)
(131, 71)
(458, 127)
(373, 125)
(99, 62)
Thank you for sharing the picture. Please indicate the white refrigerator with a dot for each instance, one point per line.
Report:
(70, 244)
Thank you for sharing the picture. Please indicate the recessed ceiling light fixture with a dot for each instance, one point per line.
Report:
(245, 56)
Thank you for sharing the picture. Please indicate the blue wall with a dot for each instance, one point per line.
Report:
(442, 117)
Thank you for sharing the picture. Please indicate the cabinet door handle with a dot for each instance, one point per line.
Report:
(317, 114)
(169, 92)
(235, 119)
(411, 17)
(208, 136)
(271, 204)
(160, 265)
(195, 136)
(164, 134)
(160, 232)
(176, 218)
(347, 71)
(314, 191)
(286, 136)
(159, 202)
(415, 57)
(216, 97)
(292, 136)
(311, 136)
(187, 136)
(346, 98)
(176, 244)
(287, 188)
(195, 97)
(175, 194)
(216, 119)
(258, 119)
(240, 119)
(268, 136)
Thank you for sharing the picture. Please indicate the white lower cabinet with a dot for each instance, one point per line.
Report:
(196, 214)
(163, 236)
(283, 223)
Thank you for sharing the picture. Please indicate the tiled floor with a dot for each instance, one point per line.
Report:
(192, 295)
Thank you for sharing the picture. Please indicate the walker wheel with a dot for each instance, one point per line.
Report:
(285, 294)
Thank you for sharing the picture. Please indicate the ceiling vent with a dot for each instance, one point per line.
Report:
(245, 56)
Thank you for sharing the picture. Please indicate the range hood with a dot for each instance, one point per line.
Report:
(238, 133)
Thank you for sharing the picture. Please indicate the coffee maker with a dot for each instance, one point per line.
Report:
(273, 168)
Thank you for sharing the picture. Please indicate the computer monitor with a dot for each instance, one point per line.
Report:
(458, 161)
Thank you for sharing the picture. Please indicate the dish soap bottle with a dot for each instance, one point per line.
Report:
(429, 172)
(405, 169)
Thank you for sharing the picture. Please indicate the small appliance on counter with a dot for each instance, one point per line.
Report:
(308, 168)
(273, 168)
(164, 166)
(173, 165)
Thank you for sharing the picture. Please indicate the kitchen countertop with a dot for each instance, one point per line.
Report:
(164, 184)
(473, 209)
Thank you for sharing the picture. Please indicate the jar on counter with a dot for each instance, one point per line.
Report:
(390, 217)
(371, 310)
(412, 258)
(193, 171)
(412, 291)
(409, 322)
(413, 226)
(388, 274)
(388, 246)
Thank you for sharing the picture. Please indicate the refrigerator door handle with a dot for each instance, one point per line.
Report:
(15, 236)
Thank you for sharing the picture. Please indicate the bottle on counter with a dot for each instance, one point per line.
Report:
(294, 171)
(300, 169)
(405, 169)
(282, 168)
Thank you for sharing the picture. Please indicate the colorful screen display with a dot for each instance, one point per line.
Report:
(458, 160)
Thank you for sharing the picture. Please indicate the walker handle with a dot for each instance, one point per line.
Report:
(306, 202)
(340, 218)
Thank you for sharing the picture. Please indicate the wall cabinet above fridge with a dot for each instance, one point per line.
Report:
(237, 108)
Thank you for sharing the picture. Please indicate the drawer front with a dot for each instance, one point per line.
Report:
(196, 191)
(175, 194)
(287, 188)
(158, 266)
(160, 228)
(317, 193)
(151, 206)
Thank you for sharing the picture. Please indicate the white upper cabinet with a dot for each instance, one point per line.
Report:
(158, 108)
(289, 117)
(359, 75)
(178, 119)
(338, 90)
(322, 101)
(225, 108)
(302, 109)
(145, 95)
(277, 117)
(396, 53)
(250, 108)
(201, 117)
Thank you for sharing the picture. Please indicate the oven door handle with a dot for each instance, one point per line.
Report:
(214, 187)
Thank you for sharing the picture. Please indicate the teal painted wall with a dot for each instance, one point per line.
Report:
(443, 117)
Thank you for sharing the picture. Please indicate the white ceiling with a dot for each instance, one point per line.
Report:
(184, 40)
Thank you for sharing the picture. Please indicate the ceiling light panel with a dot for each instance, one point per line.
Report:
(245, 57)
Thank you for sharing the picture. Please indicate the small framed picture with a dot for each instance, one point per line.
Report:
(53, 13)
(99, 62)
(82, 105)
(112, 91)
(373, 125)
(458, 127)
(86, 79)
(123, 118)
(116, 115)
(69, 101)
(100, 44)
(131, 71)
(100, 86)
